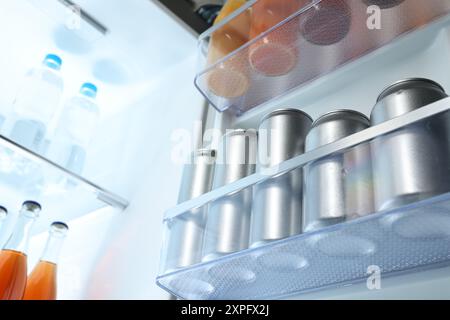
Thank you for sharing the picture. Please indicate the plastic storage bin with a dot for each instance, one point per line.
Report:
(244, 64)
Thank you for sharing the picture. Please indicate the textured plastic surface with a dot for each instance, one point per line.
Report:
(412, 236)
(246, 64)
(405, 240)
(63, 195)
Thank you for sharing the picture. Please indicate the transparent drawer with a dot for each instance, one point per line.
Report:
(268, 48)
(389, 211)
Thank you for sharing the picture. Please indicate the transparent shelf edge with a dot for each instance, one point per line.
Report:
(340, 145)
(400, 241)
(103, 195)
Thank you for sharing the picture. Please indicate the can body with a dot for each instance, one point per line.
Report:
(411, 163)
(228, 219)
(359, 200)
(277, 206)
(185, 239)
(337, 187)
(228, 226)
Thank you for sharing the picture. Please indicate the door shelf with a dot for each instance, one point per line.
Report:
(305, 40)
(409, 238)
(64, 196)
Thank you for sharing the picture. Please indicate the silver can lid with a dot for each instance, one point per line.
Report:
(340, 114)
(408, 84)
(286, 111)
(405, 96)
(342, 123)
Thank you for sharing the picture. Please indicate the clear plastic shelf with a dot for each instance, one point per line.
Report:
(246, 62)
(408, 236)
(64, 196)
(405, 240)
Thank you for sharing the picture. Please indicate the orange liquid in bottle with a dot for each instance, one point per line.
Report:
(13, 274)
(41, 283)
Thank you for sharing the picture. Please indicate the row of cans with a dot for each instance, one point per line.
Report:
(401, 167)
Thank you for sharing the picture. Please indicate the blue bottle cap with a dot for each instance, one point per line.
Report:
(89, 90)
(53, 61)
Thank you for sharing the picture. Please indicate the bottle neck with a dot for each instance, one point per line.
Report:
(20, 237)
(53, 248)
(52, 65)
(88, 94)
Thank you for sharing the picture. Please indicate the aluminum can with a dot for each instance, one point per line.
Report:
(228, 220)
(411, 163)
(277, 205)
(185, 237)
(339, 186)
(383, 4)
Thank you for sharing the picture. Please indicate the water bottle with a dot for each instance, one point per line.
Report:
(36, 103)
(76, 126)
(2, 120)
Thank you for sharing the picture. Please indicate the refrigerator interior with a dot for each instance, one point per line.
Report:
(147, 96)
(422, 53)
(126, 63)
(143, 76)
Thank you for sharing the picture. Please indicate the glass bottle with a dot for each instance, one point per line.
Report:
(3, 216)
(13, 258)
(36, 103)
(42, 282)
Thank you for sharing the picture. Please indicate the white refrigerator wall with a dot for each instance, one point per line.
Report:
(145, 68)
(128, 264)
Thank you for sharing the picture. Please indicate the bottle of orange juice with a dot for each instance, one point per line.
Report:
(13, 258)
(42, 283)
